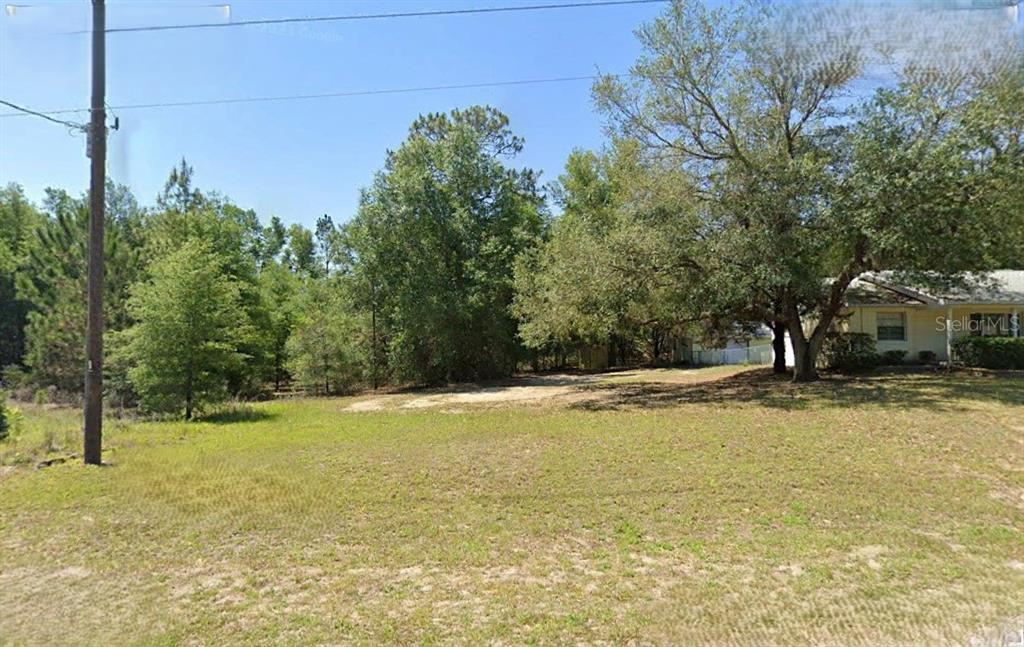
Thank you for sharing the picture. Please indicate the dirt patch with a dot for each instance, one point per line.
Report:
(870, 555)
(516, 390)
(558, 388)
(375, 404)
(492, 394)
(422, 403)
(715, 385)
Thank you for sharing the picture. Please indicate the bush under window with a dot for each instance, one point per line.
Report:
(990, 352)
(893, 357)
(849, 351)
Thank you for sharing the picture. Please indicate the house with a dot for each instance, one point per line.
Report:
(917, 319)
(921, 319)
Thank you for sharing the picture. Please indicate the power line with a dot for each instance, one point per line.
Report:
(26, 111)
(326, 95)
(381, 16)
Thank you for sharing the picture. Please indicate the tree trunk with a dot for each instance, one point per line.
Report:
(805, 354)
(657, 345)
(805, 369)
(188, 394)
(779, 347)
(327, 379)
(373, 352)
(806, 349)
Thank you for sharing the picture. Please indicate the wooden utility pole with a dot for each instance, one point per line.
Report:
(93, 441)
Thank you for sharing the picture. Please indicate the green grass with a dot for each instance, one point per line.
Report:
(879, 510)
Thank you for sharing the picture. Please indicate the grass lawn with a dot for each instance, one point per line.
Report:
(742, 510)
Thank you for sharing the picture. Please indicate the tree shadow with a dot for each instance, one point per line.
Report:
(237, 415)
(899, 389)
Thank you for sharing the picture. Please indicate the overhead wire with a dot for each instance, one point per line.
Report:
(35, 113)
(323, 95)
(381, 16)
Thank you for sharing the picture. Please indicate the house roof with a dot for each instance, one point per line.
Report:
(981, 288)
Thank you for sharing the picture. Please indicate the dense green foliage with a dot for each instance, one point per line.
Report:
(323, 349)
(849, 351)
(18, 222)
(44, 316)
(610, 268)
(203, 302)
(990, 352)
(52, 278)
(190, 327)
(434, 243)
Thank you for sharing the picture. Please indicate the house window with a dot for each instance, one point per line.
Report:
(892, 326)
(991, 324)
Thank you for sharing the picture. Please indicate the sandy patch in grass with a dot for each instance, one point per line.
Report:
(870, 555)
(375, 404)
(491, 394)
(675, 375)
(522, 390)
(562, 388)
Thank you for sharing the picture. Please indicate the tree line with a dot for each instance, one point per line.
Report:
(744, 184)
(204, 302)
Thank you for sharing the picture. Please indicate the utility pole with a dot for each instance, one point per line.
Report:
(93, 436)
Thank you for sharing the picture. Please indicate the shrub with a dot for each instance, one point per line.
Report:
(5, 422)
(927, 357)
(13, 377)
(893, 357)
(849, 351)
(190, 327)
(990, 352)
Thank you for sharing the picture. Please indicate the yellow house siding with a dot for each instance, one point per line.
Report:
(920, 329)
(925, 325)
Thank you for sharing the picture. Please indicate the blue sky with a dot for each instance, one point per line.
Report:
(298, 159)
(295, 159)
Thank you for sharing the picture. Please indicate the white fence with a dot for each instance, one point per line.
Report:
(752, 355)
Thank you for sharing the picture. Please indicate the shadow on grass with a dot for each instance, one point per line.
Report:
(899, 389)
(561, 378)
(237, 415)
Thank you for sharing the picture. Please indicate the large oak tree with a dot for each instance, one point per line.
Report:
(802, 187)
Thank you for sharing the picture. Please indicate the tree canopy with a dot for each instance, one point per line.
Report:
(437, 234)
(190, 324)
(799, 191)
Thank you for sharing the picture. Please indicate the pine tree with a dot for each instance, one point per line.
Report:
(190, 325)
(322, 350)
